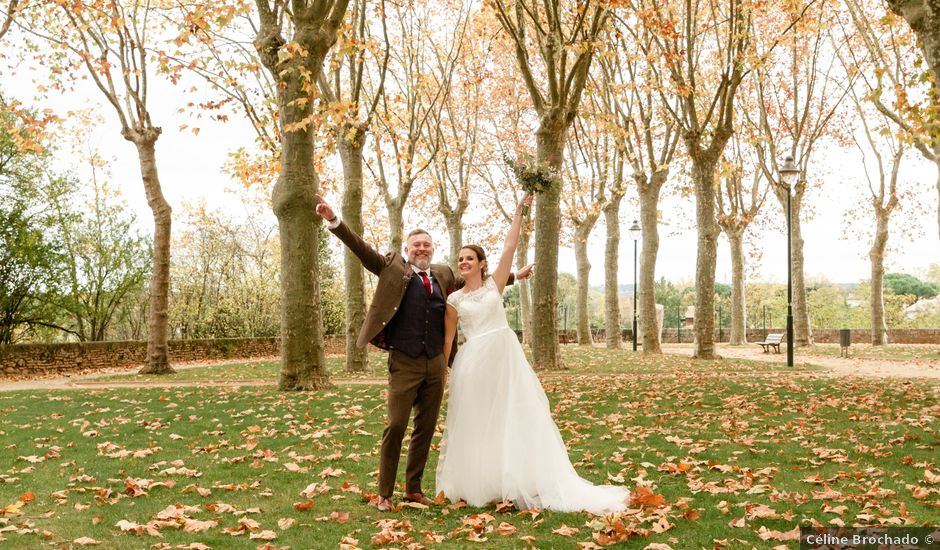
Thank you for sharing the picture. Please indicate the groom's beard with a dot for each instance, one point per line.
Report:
(421, 263)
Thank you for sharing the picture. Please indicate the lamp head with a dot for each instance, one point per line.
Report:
(635, 231)
(789, 172)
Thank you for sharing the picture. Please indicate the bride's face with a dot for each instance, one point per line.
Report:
(468, 264)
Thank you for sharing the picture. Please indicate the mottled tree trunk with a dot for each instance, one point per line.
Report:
(584, 270)
(157, 358)
(611, 270)
(738, 303)
(293, 198)
(396, 224)
(879, 328)
(703, 176)
(550, 138)
(455, 232)
(802, 333)
(350, 152)
(302, 358)
(649, 202)
(525, 302)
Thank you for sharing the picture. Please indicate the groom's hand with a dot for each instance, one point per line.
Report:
(525, 272)
(324, 210)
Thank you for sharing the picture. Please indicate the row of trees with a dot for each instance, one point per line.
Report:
(74, 264)
(71, 259)
(706, 97)
(831, 306)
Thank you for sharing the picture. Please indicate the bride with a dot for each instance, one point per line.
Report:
(500, 441)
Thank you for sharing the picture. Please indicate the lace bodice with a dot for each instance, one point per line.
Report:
(479, 311)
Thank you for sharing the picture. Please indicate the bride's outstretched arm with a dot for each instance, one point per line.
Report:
(450, 330)
(501, 274)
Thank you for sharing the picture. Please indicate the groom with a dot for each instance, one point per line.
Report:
(407, 319)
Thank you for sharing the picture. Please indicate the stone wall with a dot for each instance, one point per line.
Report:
(820, 336)
(23, 360)
(895, 336)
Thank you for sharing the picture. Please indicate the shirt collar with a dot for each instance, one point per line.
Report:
(417, 271)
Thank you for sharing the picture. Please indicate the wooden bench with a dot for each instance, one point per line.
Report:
(772, 340)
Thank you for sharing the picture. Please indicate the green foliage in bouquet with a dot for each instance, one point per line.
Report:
(534, 176)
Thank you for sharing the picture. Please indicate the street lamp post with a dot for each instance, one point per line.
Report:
(788, 175)
(635, 235)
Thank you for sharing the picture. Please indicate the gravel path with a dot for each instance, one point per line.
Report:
(839, 366)
(836, 366)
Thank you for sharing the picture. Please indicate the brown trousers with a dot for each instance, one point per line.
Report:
(413, 383)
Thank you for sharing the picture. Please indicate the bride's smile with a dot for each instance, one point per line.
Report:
(468, 262)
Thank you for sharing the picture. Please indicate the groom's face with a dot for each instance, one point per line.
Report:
(420, 250)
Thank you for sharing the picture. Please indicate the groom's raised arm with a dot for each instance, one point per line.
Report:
(370, 258)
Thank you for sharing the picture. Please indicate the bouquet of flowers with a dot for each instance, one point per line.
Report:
(534, 176)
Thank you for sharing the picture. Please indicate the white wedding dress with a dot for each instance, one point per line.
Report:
(500, 441)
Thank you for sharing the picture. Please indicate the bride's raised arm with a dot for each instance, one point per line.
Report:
(501, 274)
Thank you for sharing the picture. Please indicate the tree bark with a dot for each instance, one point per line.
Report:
(703, 176)
(584, 270)
(611, 270)
(649, 201)
(525, 301)
(350, 152)
(879, 328)
(738, 302)
(157, 357)
(802, 333)
(396, 225)
(884, 202)
(293, 199)
(550, 139)
(455, 232)
(303, 364)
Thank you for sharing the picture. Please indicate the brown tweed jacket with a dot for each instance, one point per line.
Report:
(394, 273)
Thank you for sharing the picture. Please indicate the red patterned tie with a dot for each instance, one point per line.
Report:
(427, 282)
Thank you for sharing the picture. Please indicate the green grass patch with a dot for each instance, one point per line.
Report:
(763, 452)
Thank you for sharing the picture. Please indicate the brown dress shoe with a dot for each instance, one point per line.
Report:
(384, 504)
(419, 498)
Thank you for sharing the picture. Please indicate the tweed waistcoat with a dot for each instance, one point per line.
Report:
(418, 326)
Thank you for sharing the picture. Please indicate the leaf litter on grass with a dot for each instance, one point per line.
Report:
(707, 459)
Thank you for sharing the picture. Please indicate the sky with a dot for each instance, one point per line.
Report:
(836, 241)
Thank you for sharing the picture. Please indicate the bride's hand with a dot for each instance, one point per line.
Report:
(525, 202)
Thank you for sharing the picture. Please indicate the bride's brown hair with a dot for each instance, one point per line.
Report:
(481, 257)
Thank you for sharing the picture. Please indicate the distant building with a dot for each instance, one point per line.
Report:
(925, 306)
(690, 316)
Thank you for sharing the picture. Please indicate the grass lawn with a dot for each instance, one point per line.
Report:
(728, 458)
(578, 359)
(896, 352)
